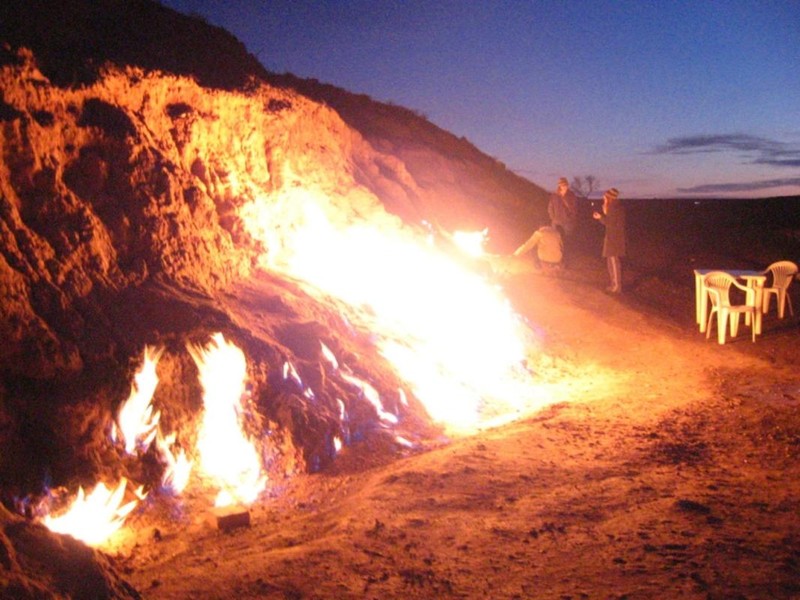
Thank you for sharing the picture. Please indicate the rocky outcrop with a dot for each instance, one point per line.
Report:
(152, 175)
(37, 564)
(457, 185)
(144, 192)
(122, 207)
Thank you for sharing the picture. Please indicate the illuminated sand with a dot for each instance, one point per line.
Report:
(653, 479)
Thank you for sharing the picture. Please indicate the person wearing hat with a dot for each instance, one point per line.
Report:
(563, 210)
(613, 218)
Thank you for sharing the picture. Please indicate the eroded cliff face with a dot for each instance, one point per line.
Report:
(143, 175)
(122, 225)
(142, 208)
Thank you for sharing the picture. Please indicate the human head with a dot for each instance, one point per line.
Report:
(563, 185)
(610, 197)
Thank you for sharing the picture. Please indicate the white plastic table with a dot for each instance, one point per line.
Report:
(752, 279)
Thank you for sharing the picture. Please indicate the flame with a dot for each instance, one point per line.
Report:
(93, 518)
(471, 242)
(329, 356)
(227, 457)
(451, 335)
(177, 467)
(137, 424)
(370, 394)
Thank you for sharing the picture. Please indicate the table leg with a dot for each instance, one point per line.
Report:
(759, 295)
(697, 298)
(701, 301)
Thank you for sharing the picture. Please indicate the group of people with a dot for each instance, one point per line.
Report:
(553, 242)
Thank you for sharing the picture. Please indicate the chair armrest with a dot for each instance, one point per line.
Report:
(750, 293)
(744, 288)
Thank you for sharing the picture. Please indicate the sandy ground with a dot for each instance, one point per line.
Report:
(667, 468)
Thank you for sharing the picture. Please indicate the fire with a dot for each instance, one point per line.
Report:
(227, 457)
(177, 467)
(95, 517)
(371, 394)
(450, 333)
(137, 424)
(471, 242)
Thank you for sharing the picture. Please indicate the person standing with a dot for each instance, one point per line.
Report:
(614, 242)
(563, 210)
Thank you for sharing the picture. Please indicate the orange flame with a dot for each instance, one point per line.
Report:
(471, 242)
(177, 467)
(227, 457)
(93, 518)
(137, 424)
(450, 334)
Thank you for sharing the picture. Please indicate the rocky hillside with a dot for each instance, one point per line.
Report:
(153, 180)
(150, 168)
(457, 183)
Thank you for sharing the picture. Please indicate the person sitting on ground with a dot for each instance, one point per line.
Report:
(549, 247)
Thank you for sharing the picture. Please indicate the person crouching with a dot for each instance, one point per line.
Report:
(549, 248)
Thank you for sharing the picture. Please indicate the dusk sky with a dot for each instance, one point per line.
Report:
(659, 99)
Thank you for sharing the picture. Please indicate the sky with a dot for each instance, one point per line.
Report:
(658, 98)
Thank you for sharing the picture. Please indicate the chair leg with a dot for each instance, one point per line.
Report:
(722, 325)
(734, 319)
(709, 323)
(781, 300)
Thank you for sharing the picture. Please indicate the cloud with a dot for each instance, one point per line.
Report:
(751, 186)
(759, 150)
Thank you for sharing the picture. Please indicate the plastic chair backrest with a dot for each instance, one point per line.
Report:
(719, 285)
(782, 272)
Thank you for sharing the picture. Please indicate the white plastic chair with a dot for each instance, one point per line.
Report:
(783, 272)
(718, 286)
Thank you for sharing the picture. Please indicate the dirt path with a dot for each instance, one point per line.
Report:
(667, 469)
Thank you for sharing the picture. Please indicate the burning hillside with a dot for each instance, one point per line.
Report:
(206, 290)
(230, 295)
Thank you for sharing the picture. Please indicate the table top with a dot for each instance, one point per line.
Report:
(743, 273)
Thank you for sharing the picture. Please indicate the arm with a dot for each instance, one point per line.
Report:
(531, 243)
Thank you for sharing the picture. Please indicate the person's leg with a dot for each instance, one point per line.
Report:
(615, 273)
(565, 250)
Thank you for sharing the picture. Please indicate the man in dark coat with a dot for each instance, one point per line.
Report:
(613, 217)
(563, 210)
